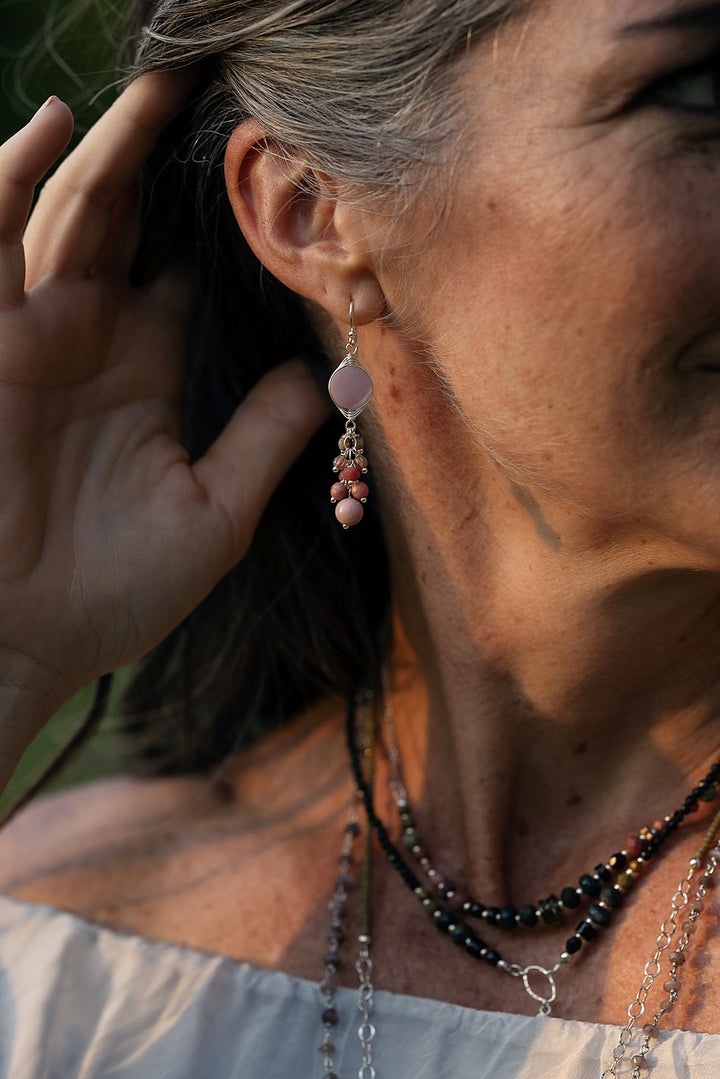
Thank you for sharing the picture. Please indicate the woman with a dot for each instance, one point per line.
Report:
(520, 203)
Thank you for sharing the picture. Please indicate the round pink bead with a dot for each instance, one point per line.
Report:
(350, 474)
(350, 388)
(359, 490)
(338, 491)
(349, 512)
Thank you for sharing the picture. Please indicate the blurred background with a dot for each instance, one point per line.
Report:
(64, 48)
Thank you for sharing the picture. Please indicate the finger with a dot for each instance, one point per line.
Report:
(244, 465)
(123, 238)
(69, 228)
(24, 160)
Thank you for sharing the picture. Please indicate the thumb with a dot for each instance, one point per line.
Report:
(267, 433)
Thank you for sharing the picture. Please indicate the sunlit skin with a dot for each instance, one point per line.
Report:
(546, 447)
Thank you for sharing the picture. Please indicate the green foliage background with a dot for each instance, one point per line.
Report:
(64, 48)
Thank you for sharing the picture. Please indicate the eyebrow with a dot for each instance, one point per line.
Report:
(699, 17)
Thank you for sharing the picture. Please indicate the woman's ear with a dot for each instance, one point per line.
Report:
(307, 238)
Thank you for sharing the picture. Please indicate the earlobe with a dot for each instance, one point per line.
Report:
(291, 222)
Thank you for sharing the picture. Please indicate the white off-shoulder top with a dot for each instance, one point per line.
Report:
(79, 1001)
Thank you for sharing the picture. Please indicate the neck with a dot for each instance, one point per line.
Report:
(549, 684)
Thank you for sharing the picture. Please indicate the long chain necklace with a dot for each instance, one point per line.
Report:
(706, 862)
(538, 981)
(344, 881)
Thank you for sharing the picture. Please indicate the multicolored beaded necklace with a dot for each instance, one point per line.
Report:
(602, 891)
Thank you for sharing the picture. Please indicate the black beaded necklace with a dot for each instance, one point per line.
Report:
(604, 889)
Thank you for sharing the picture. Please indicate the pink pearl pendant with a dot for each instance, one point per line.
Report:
(350, 388)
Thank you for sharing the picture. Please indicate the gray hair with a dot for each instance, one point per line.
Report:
(359, 88)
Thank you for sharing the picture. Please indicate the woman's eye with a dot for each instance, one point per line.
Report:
(695, 91)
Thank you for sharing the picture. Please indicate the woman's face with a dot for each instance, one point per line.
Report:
(571, 293)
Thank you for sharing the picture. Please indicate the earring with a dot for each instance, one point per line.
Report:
(350, 388)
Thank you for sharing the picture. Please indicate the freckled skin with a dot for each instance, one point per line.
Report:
(549, 482)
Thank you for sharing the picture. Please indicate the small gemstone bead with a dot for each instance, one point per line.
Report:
(570, 898)
(677, 958)
(611, 897)
(589, 885)
(667, 1005)
(340, 462)
(443, 920)
(633, 845)
(492, 915)
(586, 931)
(671, 984)
(508, 917)
(475, 947)
(338, 491)
(626, 880)
(333, 960)
(330, 1017)
(359, 490)
(689, 928)
(708, 794)
(599, 915)
(430, 905)
(492, 957)
(528, 915)
(705, 881)
(350, 474)
(361, 463)
(326, 1047)
(617, 861)
(349, 512)
(650, 1030)
(353, 828)
(639, 1062)
(550, 910)
(574, 944)
(697, 905)
(460, 933)
(473, 908)
(351, 441)
(603, 872)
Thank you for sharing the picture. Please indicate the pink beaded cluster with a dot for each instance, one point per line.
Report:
(349, 492)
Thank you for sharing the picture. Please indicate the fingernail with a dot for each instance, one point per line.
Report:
(49, 101)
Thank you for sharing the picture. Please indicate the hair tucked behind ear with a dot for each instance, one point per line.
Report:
(361, 91)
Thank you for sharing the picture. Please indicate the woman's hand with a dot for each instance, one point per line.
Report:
(108, 536)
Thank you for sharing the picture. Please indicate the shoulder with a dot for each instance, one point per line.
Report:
(55, 837)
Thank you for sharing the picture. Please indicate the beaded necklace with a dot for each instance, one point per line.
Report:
(603, 890)
(609, 879)
(336, 935)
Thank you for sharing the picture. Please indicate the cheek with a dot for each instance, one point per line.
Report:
(557, 310)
